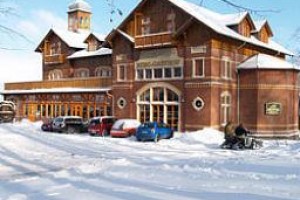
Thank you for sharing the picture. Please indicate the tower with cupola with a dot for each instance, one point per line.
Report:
(79, 16)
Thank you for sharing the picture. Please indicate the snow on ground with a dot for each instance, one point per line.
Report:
(40, 166)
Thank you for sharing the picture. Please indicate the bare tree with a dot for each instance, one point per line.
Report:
(8, 11)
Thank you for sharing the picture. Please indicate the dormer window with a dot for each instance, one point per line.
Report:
(171, 22)
(146, 26)
(92, 45)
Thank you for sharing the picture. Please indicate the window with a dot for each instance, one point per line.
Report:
(158, 73)
(82, 72)
(177, 72)
(171, 22)
(168, 72)
(146, 26)
(92, 45)
(121, 103)
(226, 71)
(121, 72)
(225, 107)
(159, 103)
(140, 74)
(198, 68)
(55, 75)
(198, 103)
(103, 72)
(148, 73)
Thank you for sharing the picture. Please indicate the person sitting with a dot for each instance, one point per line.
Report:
(229, 135)
(241, 134)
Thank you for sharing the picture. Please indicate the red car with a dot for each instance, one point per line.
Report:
(101, 126)
(124, 128)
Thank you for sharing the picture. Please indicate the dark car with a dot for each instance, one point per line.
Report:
(153, 131)
(68, 124)
(47, 125)
(101, 126)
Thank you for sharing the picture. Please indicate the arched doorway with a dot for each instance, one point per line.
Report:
(159, 102)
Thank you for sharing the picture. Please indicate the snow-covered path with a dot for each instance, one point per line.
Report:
(42, 166)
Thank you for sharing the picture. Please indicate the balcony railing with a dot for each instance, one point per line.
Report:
(92, 82)
(153, 40)
(54, 59)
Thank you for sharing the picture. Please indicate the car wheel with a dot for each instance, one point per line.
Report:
(71, 129)
(171, 135)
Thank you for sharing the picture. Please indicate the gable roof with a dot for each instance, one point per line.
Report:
(263, 61)
(260, 24)
(99, 37)
(72, 39)
(217, 22)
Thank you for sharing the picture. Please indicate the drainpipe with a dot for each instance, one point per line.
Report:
(238, 84)
(238, 96)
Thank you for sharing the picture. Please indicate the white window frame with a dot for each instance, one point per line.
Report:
(78, 72)
(226, 63)
(125, 72)
(194, 75)
(173, 77)
(225, 106)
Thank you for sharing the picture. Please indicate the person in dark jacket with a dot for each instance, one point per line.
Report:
(241, 131)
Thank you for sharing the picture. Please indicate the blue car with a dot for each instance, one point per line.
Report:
(153, 131)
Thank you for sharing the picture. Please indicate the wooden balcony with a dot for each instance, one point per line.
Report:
(154, 40)
(92, 82)
(54, 59)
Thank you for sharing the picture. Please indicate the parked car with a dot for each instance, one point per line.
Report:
(124, 128)
(101, 126)
(47, 125)
(153, 131)
(68, 124)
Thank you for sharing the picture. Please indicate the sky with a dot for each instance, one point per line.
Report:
(34, 18)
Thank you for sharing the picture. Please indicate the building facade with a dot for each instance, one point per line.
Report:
(77, 73)
(176, 62)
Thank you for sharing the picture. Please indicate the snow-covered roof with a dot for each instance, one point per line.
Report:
(86, 53)
(79, 5)
(56, 90)
(233, 19)
(73, 39)
(263, 61)
(259, 24)
(100, 37)
(219, 23)
(131, 39)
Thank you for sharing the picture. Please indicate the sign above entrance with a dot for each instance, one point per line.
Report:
(159, 57)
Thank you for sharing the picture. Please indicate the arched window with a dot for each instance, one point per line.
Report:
(103, 72)
(159, 102)
(226, 102)
(82, 72)
(55, 74)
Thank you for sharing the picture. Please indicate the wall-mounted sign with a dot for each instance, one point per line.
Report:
(198, 49)
(273, 108)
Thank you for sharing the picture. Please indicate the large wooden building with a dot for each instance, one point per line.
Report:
(171, 61)
(77, 73)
